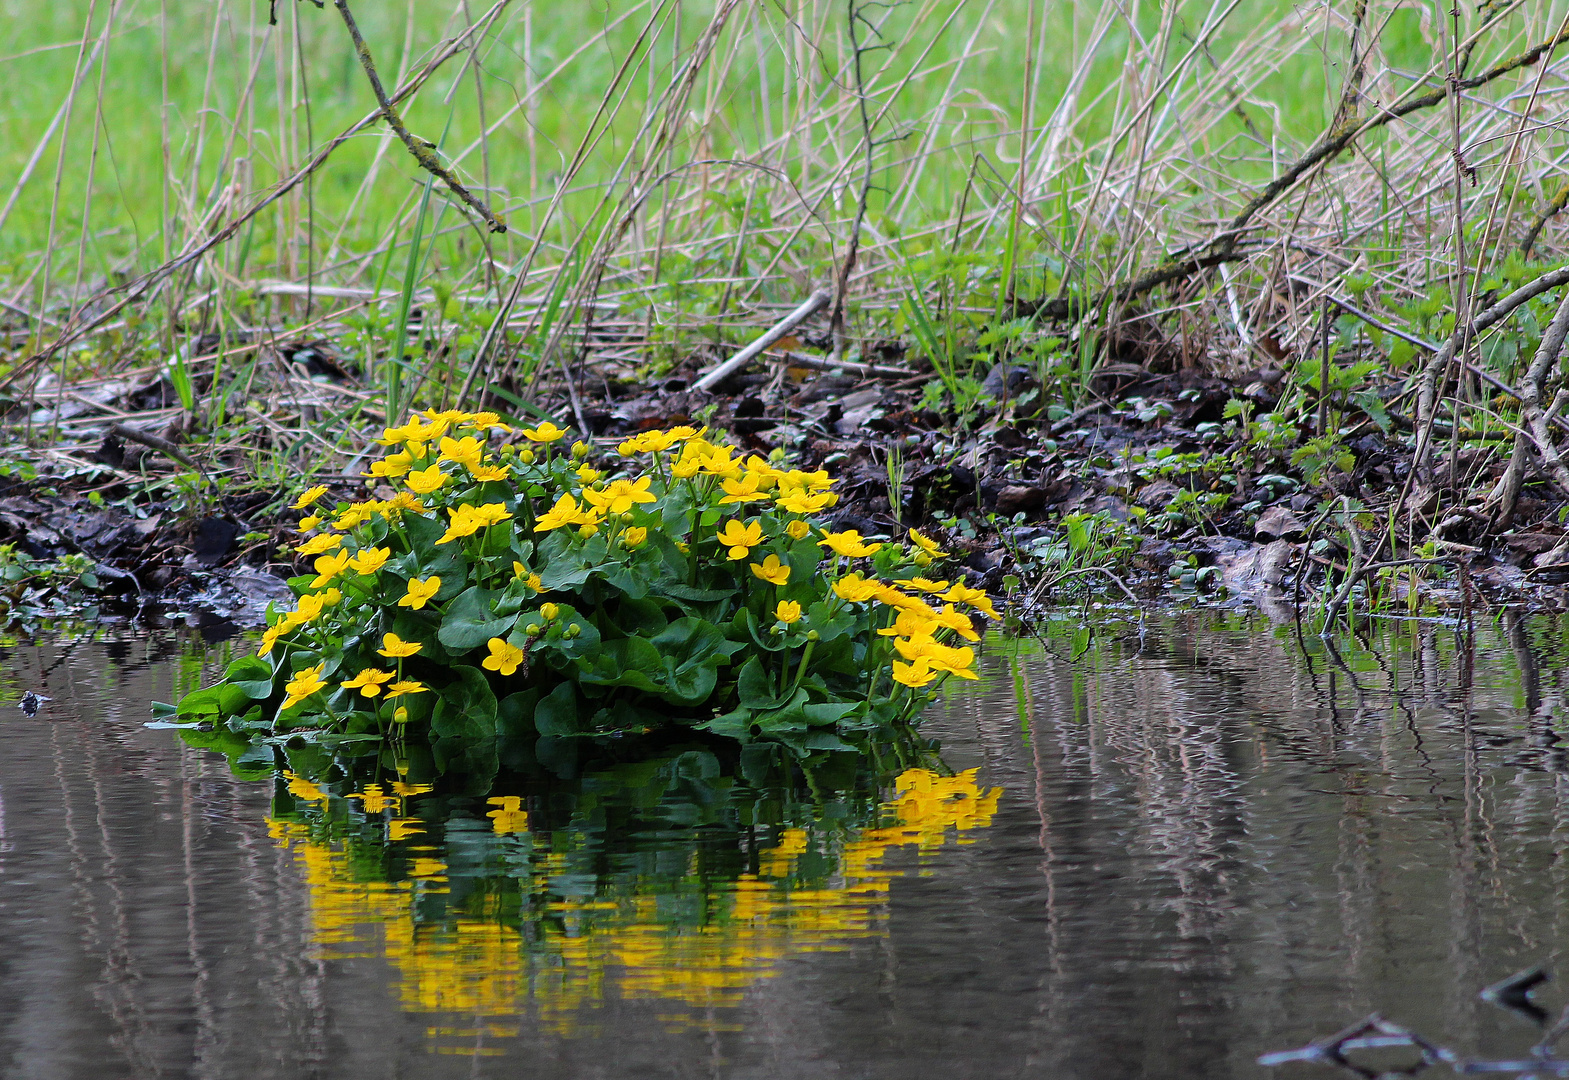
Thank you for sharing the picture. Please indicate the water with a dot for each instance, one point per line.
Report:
(1174, 856)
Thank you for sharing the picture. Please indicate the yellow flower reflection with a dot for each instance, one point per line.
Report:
(475, 968)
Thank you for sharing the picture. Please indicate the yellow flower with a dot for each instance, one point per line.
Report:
(926, 585)
(329, 567)
(270, 638)
(747, 489)
(394, 647)
(355, 515)
(420, 592)
(544, 433)
(772, 570)
(308, 523)
(425, 481)
(509, 815)
(787, 612)
(370, 560)
(311, 605)
(484, 421)
(620, 496)
(402, 501)
(625, 494)
(797, 529)
(798, 501)
(896, 599)
(926, 545)
(647, 442)
(958, 622)
(913, 675)
(318, 544)
(504, 658)
(856, 589)
(976, 598)
(309, 496)
(468, 520)
(367, 682)
(414, 432)
(405, 686)
(634, 537)
(720, 461)
(393, 465)
(467, 452)
(938, 657)
(740, 539)
(448, 416)
(812, 481)
(535, 582)
(911, 624)
(303, 685)
(587, 474)
(486, 473)
(848, 544)
(565, 512)
(548, 612)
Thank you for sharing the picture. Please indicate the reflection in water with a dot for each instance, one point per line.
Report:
(539, 926)
(1208, 845)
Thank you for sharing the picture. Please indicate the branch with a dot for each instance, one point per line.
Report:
(1551, 210)
(1432, 373)
(1224, 247)
(424, 152)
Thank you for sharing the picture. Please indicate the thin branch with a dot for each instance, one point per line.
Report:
(424, 152)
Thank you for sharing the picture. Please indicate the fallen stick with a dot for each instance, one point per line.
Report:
(154, 442)
(814, 303)
(824, 363)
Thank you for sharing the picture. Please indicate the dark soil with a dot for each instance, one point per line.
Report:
(994, 487)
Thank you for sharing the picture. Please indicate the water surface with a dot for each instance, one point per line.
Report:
(1177, 851)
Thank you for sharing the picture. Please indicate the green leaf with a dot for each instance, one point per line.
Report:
(756, 686)
(471, 621)
(252, 675)
(466, 707)
(556, 713)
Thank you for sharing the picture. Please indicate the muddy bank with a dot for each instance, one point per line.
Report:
(1155, 490)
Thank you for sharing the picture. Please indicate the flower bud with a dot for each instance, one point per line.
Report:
(400, 716)
(579, 450)
(549, 611)
(922, 559)
(586, 531)
(812, 635)
(526, 456)
(573, 631)
(533, 629)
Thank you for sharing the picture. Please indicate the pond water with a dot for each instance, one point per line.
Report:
(1178, 851)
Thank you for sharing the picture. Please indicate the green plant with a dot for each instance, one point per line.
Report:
(525, 589)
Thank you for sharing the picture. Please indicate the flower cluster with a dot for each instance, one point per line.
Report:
(496, 574)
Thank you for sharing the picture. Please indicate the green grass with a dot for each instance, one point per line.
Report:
(685, 213)
(250, 116)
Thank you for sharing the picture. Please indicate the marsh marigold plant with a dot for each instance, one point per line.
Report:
(507, 586)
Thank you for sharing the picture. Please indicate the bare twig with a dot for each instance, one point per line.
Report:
(814, 303)
(424, 152)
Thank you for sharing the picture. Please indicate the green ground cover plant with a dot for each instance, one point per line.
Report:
(520, 587)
